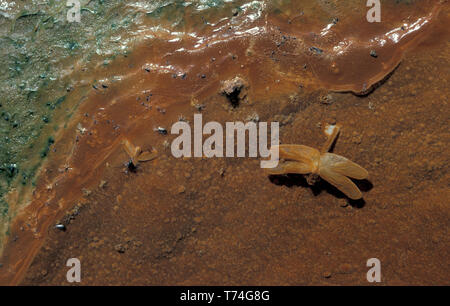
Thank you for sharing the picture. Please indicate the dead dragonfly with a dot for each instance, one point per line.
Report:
(313, 163)
(137, 155)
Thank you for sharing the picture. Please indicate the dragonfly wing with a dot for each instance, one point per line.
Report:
(341, 182)
(299, 153)
(343, 166)
(129, 148)
(290, 167)
(147, 156)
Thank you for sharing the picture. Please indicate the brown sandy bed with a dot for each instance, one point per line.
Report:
(223, 222)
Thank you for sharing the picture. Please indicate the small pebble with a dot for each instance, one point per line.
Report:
(343, 203)
(316, 50)
(161, 130)
(61, 227)
(181, 189)
(120, 248)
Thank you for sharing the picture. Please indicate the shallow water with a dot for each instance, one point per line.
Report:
(42, 56)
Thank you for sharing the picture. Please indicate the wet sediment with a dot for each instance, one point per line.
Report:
(287, 62)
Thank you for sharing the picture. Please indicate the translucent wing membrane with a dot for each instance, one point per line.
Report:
(341, 182)
(291, 167)
(300, 153)
(131, 150)
(147, 156)
(343, 166)
(333, 168)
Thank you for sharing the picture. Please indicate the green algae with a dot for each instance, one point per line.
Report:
(37, 44)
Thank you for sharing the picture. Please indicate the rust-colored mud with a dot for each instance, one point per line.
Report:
(223, 221)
